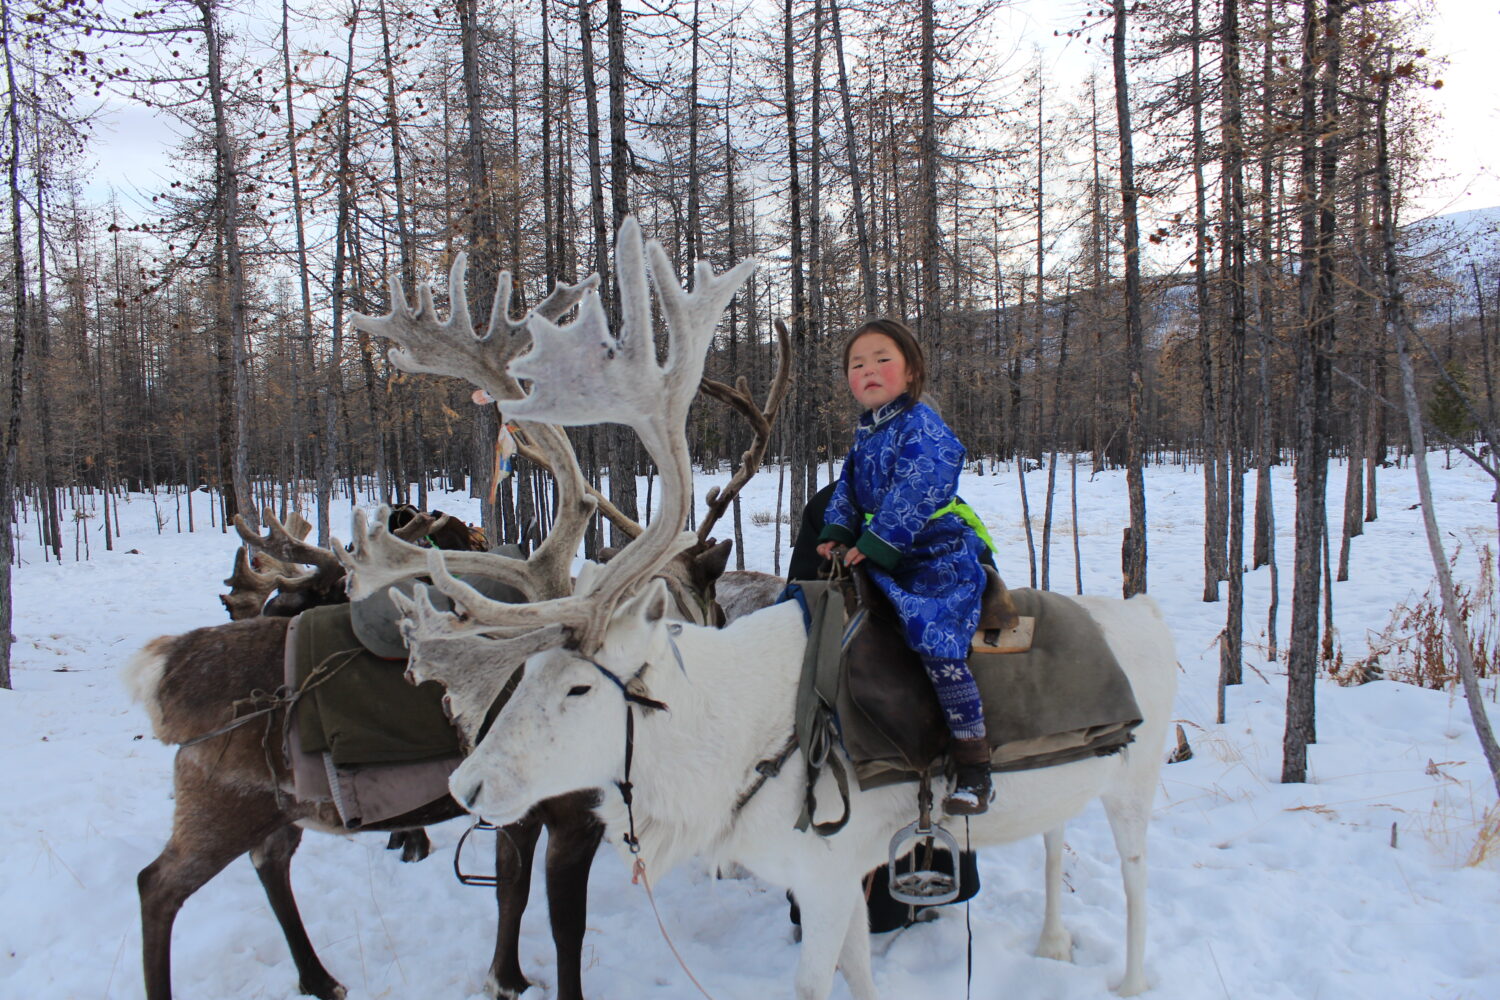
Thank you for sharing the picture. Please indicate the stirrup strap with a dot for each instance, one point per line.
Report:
(817, 693)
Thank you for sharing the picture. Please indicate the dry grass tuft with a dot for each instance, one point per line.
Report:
(1415, 648)
(1487, 843)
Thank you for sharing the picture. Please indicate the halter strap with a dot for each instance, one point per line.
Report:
(632, 697)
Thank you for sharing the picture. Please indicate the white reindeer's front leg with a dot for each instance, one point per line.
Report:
(1055, 943)
(828, 912)
(854, 957)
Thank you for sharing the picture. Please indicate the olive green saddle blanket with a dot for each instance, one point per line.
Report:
(361, 735)
(1061, 699)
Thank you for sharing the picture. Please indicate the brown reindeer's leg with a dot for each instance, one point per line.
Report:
(515, 846)
(413, 844)
(165, 884)
(211, 826)
(273, 863)
(572, 839)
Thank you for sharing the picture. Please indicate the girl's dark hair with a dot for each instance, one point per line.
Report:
(906, 343)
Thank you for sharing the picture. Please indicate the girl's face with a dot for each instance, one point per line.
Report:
(877, 370)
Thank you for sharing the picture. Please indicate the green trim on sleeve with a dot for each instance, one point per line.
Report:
(836, 533)
(877, 548)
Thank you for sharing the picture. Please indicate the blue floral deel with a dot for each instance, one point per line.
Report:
(903, 467)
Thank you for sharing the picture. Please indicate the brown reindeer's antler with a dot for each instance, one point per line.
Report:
(421, 525)
(760, 418)
(286, 544)
(248, 587)
(580, 373)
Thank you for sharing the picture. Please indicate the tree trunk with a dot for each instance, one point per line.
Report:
(227, 186)
(624, 450)
(1231, 650)
(861, 226)
(931, 313)
(1318, 173)
(484, 248)
(1133, 551)
(800, 440)
(20, 319)
(1214, 528)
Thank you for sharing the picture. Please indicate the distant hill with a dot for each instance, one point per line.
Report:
(1448, 243)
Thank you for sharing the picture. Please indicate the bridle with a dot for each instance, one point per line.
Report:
(632, 689)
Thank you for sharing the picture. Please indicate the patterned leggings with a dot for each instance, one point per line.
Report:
(958, 695)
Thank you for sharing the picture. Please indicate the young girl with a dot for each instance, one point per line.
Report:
(895, 504)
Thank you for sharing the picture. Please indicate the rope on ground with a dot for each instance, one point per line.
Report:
(638, 877)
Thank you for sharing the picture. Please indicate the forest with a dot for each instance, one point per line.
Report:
(1203, 253)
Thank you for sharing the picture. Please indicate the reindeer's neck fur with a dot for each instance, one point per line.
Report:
(733, 708)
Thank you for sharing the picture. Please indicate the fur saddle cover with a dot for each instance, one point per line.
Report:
(1063, 699)
(360, 735)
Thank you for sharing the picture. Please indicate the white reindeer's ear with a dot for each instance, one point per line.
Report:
(652, 603)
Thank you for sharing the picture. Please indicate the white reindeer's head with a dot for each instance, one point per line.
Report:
(564, 728)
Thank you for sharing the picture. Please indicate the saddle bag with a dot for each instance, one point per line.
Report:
(1063, 699)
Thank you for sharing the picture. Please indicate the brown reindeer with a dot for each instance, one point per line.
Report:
(268, 580)
(233, 788)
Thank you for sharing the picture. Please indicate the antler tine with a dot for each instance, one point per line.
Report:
(569, 612)
(248, 589)
(377, 558)
(281, 544)
(245, 576)
(760, 422)
(564, 297)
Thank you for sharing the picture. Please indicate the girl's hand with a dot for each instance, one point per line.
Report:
(826, 549)
(853, 557)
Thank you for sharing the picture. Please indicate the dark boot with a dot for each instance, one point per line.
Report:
(971, 785)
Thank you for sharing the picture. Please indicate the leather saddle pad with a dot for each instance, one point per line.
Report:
(1065, 699)
(359, 708)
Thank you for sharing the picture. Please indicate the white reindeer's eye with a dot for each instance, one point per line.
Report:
(579, 689)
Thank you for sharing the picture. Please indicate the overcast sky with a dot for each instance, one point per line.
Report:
(137, 147)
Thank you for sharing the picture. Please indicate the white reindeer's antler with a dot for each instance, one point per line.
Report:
(581, 374)
(378, 557)
(473, 663)
(452, 347)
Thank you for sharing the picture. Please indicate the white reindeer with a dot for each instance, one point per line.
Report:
(598, 673)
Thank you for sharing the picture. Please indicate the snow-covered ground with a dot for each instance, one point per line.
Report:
(1258, 889)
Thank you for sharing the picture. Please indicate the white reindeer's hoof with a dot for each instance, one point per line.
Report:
(1132, 985)
(1058, 946)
